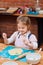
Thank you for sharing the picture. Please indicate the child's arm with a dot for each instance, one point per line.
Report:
(11, 39)
(32, 43)
(4, 35)
(26, 42)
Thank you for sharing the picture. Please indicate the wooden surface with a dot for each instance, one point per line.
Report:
(2, 46)
(38, 16)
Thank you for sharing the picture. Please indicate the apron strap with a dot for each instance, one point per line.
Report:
(29, 35)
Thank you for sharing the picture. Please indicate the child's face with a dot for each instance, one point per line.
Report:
(22, 28)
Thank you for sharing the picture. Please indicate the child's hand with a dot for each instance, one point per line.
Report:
(4, 35)
(24, 40)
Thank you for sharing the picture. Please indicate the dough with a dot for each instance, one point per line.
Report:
(15, 51)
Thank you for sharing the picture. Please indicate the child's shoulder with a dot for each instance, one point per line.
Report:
(31, 34)
(16, 32)
(33, 37)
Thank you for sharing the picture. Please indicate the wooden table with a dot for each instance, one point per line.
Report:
(2, 46)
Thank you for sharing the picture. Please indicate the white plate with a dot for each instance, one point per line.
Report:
(9, 63)
(2, 8)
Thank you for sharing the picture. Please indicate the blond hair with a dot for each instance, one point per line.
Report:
(25, 20)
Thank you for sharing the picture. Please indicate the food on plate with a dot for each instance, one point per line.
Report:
(15, 51)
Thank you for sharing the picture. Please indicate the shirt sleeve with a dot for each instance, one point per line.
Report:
(12, 37)
(34, 42)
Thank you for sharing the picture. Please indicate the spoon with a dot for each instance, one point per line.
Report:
(40, 50)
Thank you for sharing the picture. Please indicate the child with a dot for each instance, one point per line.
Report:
(23, 37)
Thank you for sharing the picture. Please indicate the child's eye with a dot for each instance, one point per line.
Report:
(22, 27)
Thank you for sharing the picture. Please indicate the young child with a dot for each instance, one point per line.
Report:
(23, 37)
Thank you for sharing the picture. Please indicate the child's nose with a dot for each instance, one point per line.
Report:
(21, 29)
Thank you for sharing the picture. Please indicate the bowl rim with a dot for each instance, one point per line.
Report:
(34, 53)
